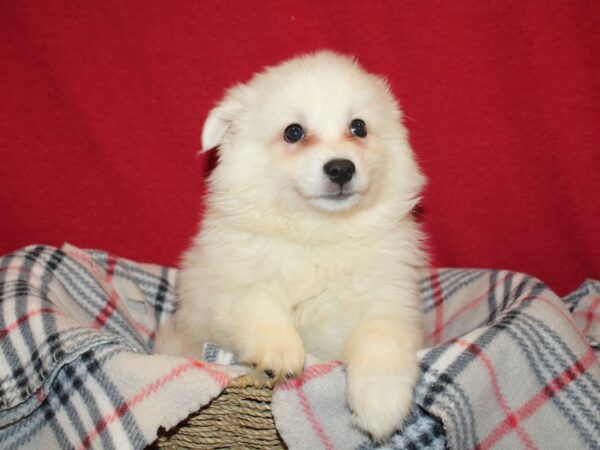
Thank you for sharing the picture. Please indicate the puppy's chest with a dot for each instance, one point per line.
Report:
(325, 294)
(324, 277)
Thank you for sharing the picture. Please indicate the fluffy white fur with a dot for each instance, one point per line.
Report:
(279, 268)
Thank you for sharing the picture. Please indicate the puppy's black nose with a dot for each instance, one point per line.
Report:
(340, 171)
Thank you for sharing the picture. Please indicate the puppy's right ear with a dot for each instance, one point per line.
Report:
(219, 120)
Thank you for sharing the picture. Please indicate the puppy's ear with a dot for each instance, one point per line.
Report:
(219, 120)
(214, 129)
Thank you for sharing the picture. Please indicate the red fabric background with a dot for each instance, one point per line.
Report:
(101, 108)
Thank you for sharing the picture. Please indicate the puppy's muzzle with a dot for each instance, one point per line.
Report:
(340, 171)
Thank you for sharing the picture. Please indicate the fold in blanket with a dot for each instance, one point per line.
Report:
(508, 364)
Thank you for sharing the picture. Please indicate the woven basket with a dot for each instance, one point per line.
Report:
(239, 418)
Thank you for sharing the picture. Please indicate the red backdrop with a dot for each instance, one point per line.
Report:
(101, 107)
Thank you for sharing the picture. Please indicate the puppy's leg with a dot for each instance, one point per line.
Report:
(172, 341)
(382, 371)
(262, 333)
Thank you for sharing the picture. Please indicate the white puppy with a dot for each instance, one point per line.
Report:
(308, 243)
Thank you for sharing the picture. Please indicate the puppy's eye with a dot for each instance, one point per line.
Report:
(293, 133)
(358, 128)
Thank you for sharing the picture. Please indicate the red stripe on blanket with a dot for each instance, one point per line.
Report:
(316, 371)
(438, 301)
(221, 378)
(111, 303)
(21, 320)
(41, 396)
(144, 330)
(438, 328)
(591, 315)
(312, 419)
(489, 367)
(565, 315)
(556, 385)
(17, 269)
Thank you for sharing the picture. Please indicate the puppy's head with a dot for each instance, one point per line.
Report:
(316, 133)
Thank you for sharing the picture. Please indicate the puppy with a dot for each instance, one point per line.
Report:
(308, 243)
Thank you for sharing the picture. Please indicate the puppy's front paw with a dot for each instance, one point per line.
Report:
(381, 401)
(276, 351)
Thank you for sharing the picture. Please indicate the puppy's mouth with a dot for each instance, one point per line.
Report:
(335, 201)
(338, 196)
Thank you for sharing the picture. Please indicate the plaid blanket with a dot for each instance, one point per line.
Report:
(508, 364)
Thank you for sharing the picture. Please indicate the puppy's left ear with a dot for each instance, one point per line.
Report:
(215, 126)
(219, 120)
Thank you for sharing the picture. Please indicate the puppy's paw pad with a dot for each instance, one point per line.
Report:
(260, 380)
(380, 403)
